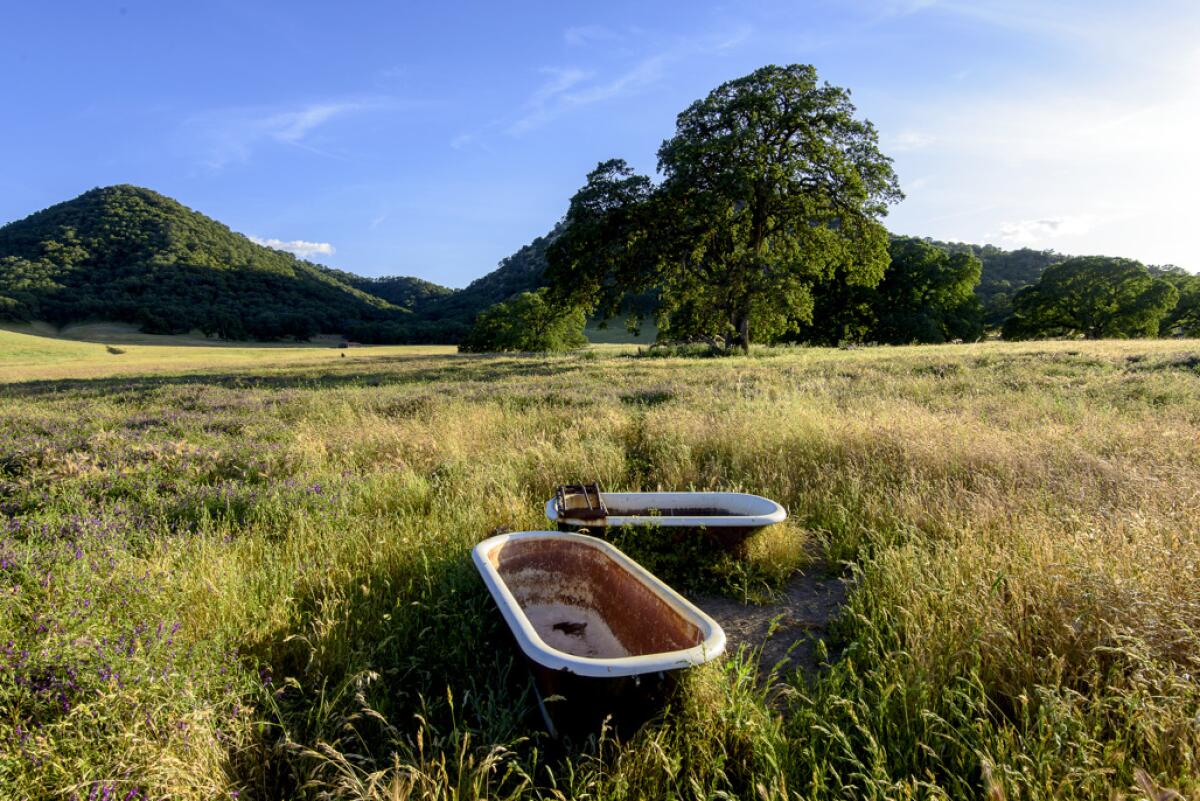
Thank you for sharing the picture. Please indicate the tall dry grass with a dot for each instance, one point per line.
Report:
(1019, 523)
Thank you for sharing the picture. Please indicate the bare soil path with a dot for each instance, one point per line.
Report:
(788, 629)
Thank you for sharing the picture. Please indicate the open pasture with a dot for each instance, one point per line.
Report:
(28, 353)
(244, 573)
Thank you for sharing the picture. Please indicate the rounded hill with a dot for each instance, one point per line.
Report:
(129, 254)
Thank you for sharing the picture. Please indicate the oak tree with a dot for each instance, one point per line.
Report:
(1095, 297)
(770, 186)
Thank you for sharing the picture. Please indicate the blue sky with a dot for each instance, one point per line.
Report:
(434, 139)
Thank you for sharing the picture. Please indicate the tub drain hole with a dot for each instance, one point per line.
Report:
(569, 628)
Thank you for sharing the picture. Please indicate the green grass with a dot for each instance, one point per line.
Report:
(85, 352)
(245, 572)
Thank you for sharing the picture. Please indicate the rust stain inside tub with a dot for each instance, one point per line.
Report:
(582, 602)
(682, 511)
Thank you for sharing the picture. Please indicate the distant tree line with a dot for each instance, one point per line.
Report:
(766, 226)
(926, 295)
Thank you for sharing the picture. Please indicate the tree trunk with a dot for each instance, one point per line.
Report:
(741, 340)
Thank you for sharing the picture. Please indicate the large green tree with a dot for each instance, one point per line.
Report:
(530, 321)
(1094, 297)
(770, 186)
(1184, 318)
(927, 295)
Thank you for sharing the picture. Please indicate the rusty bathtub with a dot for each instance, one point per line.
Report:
(602, 635)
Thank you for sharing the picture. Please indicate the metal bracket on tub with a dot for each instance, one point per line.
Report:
(580, 502)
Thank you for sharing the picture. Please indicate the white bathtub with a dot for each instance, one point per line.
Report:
(738, 511)
(575, 603)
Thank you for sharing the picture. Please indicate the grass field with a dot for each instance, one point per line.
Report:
(240, 573)
(110, 349)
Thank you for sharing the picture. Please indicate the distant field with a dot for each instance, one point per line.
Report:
(29, 353)
(231, 572)
(37, 350)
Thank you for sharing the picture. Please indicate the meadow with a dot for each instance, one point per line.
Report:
(244, 573)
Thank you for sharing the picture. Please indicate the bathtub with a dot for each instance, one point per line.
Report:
(601, 633)
(727, 517)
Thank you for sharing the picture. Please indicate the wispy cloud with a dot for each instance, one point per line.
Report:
(464, 140)
(1111, 27)
(581, 35)
(1098, 157)
(298, 247)
(645, 73)
(560, 80)
(1032, 232)
(725, 41)
(908, 139)
(227, 136)
(293, 126)
(570, 88)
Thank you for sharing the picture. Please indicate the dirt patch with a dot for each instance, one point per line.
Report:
(787, 630)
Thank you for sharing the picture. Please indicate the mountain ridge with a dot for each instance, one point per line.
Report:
(130, 254)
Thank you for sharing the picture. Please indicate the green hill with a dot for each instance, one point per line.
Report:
(448, 318)
(404, 291)
(129, 254)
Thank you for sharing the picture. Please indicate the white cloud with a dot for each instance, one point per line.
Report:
(1032, 232)
(565, 89)
(645, 73)
(572, 87)
(463, 141)
(293, 126)
(1098, 157)
(728, 41)
(297, 247)
(227, 136)
(908, 139)
(561, 80)
(549, 98)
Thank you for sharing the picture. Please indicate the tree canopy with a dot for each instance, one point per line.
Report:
(770, 186)
(1184, 318)
(1094, 297)
(927, 295)
(1004, 273)
(531, 321)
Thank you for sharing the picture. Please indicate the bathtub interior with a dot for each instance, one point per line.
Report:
(582, 602)
(686, 504)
